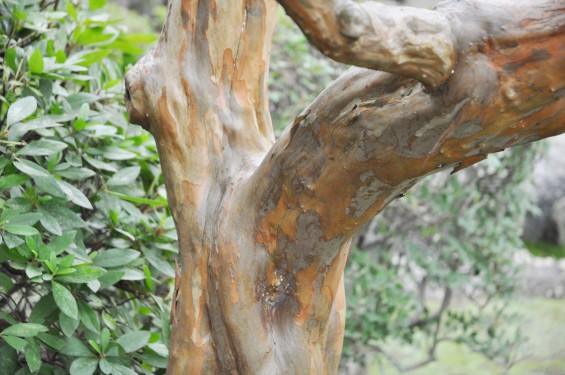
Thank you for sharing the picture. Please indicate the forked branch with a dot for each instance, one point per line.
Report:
(370, 136)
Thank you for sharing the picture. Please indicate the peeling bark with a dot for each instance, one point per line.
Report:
(264, 227)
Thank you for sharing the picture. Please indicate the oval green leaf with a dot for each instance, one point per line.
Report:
(42, 147)
(24, 330)
(35, 62)
(65, 300)
(115, 257)
(124, 177)
(21, 109)
(13, 180)
(82, 275)
(134, 340)
(32, 356)
(15, 342)
(84, 366)
(21, 230)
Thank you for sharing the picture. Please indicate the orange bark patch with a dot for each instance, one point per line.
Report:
(168, 130)
(193, 193)
(168, 124)
(283, 219)
(305, 292)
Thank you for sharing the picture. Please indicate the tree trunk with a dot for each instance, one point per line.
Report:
(264, 227)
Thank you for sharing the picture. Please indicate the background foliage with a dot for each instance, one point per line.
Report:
(88, 246)
(459, 237)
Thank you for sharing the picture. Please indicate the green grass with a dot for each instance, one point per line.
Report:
(543, 249)
(544, 327)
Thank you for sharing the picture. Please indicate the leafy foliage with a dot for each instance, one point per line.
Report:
(86, 239)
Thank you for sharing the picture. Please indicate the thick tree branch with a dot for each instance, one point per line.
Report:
(202, 92)
(370, 136)
(411, 42)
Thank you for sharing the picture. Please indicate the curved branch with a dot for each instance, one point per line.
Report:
(371, 136)
(411, 42)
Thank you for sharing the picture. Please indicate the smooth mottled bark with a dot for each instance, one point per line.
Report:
(264, 226)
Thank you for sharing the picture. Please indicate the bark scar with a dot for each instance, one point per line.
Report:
(294, 127)
(173, 314)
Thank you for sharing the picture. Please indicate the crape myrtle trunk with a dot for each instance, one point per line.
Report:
(265, 226)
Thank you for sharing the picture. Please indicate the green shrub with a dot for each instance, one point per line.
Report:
(86, 239)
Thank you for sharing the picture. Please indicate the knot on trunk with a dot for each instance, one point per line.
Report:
(137, 91)
(354, 21)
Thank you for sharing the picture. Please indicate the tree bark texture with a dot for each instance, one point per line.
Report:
(264, 226)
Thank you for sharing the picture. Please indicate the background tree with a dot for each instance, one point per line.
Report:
(264, 229)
